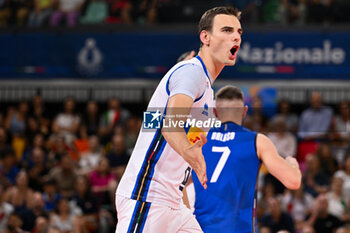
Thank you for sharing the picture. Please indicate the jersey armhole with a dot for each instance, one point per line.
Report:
(256, 147)
(200, 97)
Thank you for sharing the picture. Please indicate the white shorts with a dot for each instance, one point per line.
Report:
(137, 216)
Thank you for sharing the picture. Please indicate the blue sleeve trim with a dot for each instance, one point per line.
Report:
(167, 83)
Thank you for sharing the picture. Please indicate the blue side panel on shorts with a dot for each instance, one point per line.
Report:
(145, 217)
(149, 175)
(139, 217)
(153, 154)
(139, 182)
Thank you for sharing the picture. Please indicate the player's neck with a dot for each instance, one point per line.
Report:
(230, 119)
(213, 67)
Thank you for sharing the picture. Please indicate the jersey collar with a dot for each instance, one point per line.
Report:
(205, 70)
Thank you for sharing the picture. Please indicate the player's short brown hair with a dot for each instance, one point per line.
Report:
(229, 92)
(206, 21)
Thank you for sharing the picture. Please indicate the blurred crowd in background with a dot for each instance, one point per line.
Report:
(59, 169)
(54, 13)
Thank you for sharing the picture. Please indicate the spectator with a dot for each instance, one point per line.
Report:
(118, 158)
(31, 130)
(144, 11)
(65, 176)
(315, 121)
(299, 205)
(27, 157)
(20, 11)
(274, 11)
(96, 12)
(38, 170)
(21, 195)
(308, 229)
(58, 150)
(103, 183)
(64, 220)
(268, 192)
(315, 180)
(3, 141)
(115, 115)
(341, 125)
(284, 141)
(345, 176)
(119, 11)
(88, 204)
(259, 119)
(317, 12)
(41, 13)
(299, 12)
(249, 9)
(328, 164)
(320, 219)
(39, 114)
(341, 230)
(14, 224)
(337, 205)
(41, 224)
(50, 195)
(70, 9)
(29, 215)
(133, 126)
(90, 121)
(5, 12)
(291, 119)
(89, 159)
(9, 168)
(16, 124)
(5, 209)
(264, 229)
(67, 123)
(277, 219)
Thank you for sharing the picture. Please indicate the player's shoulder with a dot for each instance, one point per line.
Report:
(192, 65)
(190, 72)
(263, 143)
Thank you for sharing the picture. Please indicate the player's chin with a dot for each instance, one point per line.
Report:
(231, 62)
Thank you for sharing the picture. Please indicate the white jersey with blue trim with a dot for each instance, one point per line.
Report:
(155, 172)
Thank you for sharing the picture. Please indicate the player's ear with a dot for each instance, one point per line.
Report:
(205, 37)
(245, 111)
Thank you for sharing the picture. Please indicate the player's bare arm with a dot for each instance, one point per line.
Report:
(180, 105)
(286, 170)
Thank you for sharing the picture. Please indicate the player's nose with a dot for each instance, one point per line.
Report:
(236, 37)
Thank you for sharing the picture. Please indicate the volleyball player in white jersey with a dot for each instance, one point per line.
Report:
(148, 198)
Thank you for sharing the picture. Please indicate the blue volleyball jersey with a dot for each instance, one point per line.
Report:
(229, 202)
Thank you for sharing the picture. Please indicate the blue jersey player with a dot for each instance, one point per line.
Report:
(233, 155)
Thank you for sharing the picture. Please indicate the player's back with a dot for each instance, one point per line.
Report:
(232, 169)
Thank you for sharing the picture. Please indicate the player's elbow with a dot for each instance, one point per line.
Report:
(294, 181)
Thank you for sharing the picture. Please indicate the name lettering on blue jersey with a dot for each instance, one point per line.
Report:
(223, 137)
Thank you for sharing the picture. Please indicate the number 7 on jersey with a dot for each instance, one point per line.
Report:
(225, 154)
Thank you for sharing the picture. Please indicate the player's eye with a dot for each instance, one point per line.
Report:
(227, 30)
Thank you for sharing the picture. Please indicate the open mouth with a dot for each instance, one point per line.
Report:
(234, 50)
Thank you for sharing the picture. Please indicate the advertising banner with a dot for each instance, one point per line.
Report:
(263, 55)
